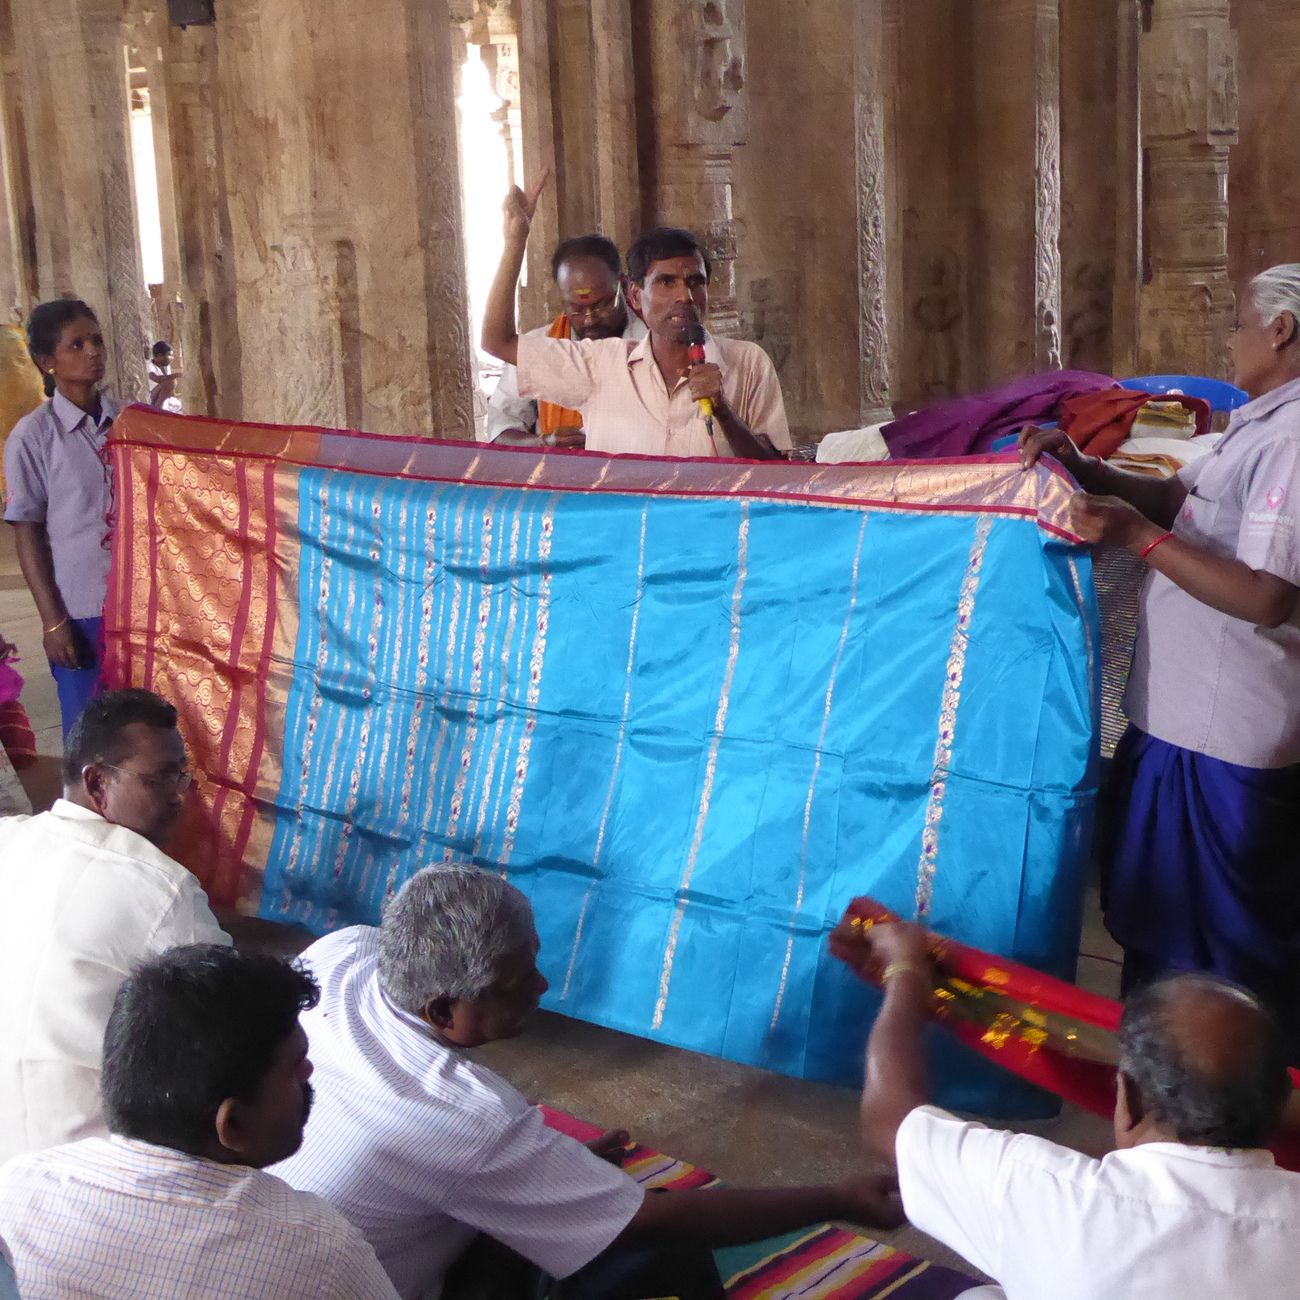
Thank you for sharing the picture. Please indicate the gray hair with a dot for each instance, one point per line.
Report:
(446, 932)
(1276, 292)
(1202, 1098)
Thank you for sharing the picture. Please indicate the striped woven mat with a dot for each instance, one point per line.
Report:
(828, 1262)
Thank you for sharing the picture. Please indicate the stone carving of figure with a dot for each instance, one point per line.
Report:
(937, 310)
(1087, 329)
(718, 74)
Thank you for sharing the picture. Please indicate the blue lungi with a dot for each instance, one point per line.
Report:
(1202, 870)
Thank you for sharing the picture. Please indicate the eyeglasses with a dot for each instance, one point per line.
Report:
(178, 781)
(580, 311)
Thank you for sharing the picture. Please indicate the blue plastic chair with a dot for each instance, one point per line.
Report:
(1221, 395)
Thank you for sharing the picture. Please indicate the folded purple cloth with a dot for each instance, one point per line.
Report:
(963, 426)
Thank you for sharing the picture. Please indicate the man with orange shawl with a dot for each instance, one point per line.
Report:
(589, 275)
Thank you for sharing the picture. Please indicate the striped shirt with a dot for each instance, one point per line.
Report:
(421, 1148)
(113, 1218)
(627, 406)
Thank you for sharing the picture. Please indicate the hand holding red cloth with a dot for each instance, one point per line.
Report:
(1051, 1033)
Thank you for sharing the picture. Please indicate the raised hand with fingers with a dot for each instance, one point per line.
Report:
(520, 207)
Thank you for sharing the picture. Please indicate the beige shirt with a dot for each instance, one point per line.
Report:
(627, 407)
(81, 902)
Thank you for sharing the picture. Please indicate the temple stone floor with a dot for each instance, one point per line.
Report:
(744, 1124)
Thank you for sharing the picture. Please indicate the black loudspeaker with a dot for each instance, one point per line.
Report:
(192, 13)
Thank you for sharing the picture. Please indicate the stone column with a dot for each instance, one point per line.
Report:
(1018, 187)
(15, 271)
(1264, 184)
(875, 73)
(72, 59)
(1189, 121)
(187, 84)
(538, 299)
(618, 184)
(697, 120)
(337, 130)
(1128, 188)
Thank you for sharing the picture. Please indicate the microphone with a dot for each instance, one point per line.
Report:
(695, 340)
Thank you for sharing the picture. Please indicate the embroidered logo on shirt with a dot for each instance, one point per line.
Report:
(1275, 498)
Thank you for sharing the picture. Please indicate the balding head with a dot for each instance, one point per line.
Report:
(1204, 1063)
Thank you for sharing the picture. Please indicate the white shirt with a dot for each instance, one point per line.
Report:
(1161, 1221)
(113, 1219)
(421, 1148)
(507, 410)
(81, 902)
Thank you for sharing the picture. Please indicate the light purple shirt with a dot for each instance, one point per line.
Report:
(56, 477)
(1203, 680)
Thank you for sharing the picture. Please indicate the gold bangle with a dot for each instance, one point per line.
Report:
(67, 618)
(900, 968)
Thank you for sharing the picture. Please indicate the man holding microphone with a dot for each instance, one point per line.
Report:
(645, 397)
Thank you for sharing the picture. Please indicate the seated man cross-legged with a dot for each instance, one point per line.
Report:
(1189, 1205)
(423, 1149)
(205, 1084)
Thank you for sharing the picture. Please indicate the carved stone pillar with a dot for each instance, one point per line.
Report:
(618, 186)
(697, 120)
(1189, 121)
(538, 299)
(1264, 183)
(337, 130)
(875, 73)
(15, 282)
(1016, 293)
(79, 151)
(1089, 111)
(191, 184)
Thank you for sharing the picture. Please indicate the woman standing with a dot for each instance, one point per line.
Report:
(60, 495)
(1203, 868)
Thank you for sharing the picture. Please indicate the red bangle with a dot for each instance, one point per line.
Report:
(1151, 546)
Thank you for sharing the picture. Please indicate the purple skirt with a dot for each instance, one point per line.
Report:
(1202, 868)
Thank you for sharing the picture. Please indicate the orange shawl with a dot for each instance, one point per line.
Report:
(551, 418)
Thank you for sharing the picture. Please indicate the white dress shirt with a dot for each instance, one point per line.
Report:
(81, 902)
(422, 1149)
(1161, 1221)
(113, 1219)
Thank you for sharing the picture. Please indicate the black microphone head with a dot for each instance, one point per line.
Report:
(695, 334)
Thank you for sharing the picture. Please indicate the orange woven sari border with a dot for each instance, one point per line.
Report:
(192, 615)
(973, 485)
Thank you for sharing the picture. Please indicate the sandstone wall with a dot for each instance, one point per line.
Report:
(902, 198)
